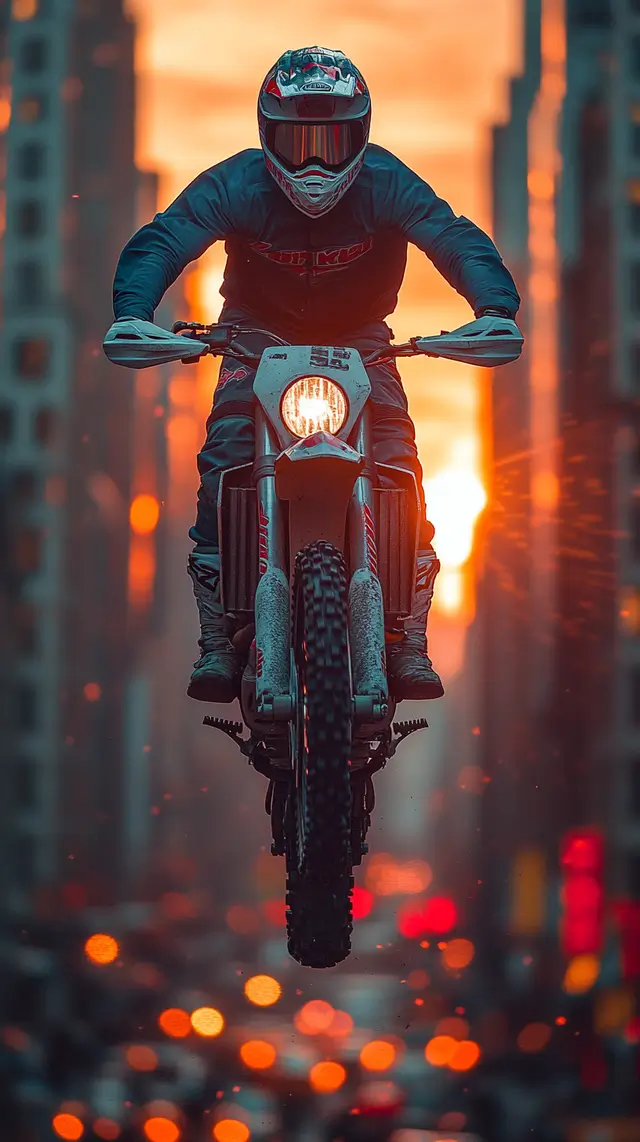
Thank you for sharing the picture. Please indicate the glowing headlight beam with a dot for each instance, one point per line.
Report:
(314, 404)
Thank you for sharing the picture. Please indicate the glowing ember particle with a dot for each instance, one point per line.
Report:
(92, 692)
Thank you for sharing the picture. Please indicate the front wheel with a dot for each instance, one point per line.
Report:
(319, 883)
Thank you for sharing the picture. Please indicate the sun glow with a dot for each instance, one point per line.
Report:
(455, 499)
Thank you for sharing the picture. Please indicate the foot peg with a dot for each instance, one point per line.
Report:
(233, 730)
(403, 729)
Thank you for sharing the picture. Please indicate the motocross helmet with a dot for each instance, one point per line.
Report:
(314, 112)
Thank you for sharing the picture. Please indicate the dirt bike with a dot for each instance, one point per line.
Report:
(318, 554)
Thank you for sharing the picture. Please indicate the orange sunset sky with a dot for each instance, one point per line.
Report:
(438, 72)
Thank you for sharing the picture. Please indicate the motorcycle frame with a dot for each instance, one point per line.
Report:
(328, 483)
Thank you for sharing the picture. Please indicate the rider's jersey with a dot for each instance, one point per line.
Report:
(302, 275)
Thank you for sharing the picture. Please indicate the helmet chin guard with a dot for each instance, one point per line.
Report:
(314, 112)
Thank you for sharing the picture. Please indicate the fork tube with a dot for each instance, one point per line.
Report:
(272, 606)
(366, 609)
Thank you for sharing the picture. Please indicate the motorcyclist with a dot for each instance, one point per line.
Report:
(316, 226)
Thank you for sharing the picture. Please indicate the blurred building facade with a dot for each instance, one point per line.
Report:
(66, 456)
(559, 601)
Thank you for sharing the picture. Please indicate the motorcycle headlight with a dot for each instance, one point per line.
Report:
(314, 404)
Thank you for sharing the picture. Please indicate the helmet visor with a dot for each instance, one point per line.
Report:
(334, 145)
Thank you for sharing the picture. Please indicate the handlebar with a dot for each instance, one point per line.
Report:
(219, 339)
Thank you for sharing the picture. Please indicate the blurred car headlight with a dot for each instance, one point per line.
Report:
(314, 404)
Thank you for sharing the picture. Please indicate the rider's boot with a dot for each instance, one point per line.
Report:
(411, 673)
(216, 677)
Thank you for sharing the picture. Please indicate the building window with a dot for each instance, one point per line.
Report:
(6, 424)
(31, 358)
(27, 550)
(30, 218)
(32, 109)
(30, 283)
(26, 706)
(33, 56)
(30, 161)
(44, 427)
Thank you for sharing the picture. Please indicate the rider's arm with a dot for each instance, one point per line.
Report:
(158, 253)
(462, 252)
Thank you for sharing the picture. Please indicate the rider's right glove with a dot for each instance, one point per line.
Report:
(139, 344)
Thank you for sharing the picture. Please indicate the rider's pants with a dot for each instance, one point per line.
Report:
(230, 427)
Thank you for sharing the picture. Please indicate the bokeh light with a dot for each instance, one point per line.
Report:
(581, 974)
(141, 1057)
(207, 1022)
(161, 1130)
(453, 1026)
(242, 920)
(418, 979)
(262, 990)
(327, 1077)
(362, 900)
(465, 1056)
(231, 1130)
(144, 514)
(440, 915)
(378, 1055)
(68, 1126)
(314, 1018)
(175, 1022)
(534, 1037)
(101, 949)
(341, 1025)
(107, 1129)
(258, 1054)
(385, 876)
(458, 954)
(440, 1050)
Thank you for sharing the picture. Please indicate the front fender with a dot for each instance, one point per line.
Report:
(317, 477)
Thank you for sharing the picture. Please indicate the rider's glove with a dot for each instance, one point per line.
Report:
(139, 344)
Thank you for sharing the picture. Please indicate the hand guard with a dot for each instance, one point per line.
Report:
(137, 344)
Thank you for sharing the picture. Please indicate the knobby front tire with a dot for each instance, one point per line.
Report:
(319, 882)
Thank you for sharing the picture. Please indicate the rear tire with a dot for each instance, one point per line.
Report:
(319, 882)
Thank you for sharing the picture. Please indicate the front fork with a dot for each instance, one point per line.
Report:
(366, 608)
(272, 600)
